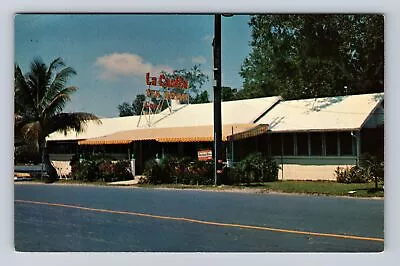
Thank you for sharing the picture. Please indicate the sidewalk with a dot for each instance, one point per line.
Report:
(126, 182)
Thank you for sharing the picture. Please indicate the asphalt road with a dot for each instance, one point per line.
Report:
(40, 227)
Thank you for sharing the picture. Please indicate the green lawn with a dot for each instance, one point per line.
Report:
(325, 188)
(303, 187)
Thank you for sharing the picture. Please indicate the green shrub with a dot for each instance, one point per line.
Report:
(154, 172)
(27, 153)
(200, 173)
(106, 171)
(257, 168)
(123, 170)
(349, 175)
(254, 168)
(371, 169)
(99, 168)
(86, 170)
(231, 176)
(179, 171)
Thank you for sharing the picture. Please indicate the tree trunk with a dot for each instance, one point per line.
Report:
(49, 168)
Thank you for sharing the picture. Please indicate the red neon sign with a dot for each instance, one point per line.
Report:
(165, 82)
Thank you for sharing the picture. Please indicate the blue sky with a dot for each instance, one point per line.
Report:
(112, 52)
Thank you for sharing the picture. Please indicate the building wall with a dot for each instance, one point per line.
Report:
(377, 118)
(304, 156)
(312, 168)
(61, 163)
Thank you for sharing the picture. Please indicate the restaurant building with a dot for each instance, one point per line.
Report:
(309, 138)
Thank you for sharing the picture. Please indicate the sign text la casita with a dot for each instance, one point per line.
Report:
(163, 81)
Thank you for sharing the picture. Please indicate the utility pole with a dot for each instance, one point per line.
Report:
(217, 100)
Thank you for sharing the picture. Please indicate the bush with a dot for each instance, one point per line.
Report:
(257, 168)
(27, 153)
(179, 171)
(155, 173)
(106, 171)
(201, 173)
(231, 176)
(254, 168)
(349, 175)
(86, 170)
(123, 170)
(98, 168)
(371, 169)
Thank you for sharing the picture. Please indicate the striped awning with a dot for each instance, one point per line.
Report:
(173, 134)
(186, 139)
(103, 142)
(252, 132)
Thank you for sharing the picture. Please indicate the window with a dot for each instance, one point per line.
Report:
(288, 148)
(316, 144)
(62, 147)
(115, 148)
(346, 143)
(276, 148)
(302, 144)
(331, 144)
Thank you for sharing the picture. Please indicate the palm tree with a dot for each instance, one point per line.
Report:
(40, 97)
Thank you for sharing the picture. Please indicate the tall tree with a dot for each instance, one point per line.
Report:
(126, 109)
(302, 56)
(196, 79)
(201, 97)
(195, 76)
(40, 97)
(228, 94)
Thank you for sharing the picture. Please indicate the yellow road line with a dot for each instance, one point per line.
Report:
(204, 222)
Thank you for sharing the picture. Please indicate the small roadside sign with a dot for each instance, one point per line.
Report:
(204, 155)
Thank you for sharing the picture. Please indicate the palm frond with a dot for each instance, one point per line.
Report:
(22, 93)
(37, 80)
(69, 121)
(21, 120)
(57, 63)
(31, 131)
(58, 102)
(58, 84)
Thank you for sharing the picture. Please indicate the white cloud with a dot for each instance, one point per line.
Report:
(126, 64)
(199, 59)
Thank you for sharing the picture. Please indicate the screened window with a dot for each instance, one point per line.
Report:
(276, 148)
(116, 148)
(302, 144)
(288, 148)
(346, 143)
(62, 148)
(316, 144)
(331, 143)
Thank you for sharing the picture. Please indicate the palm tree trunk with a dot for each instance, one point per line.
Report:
(50, 170)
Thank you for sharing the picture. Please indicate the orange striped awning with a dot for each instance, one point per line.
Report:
(252, 132)
(173, 134)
